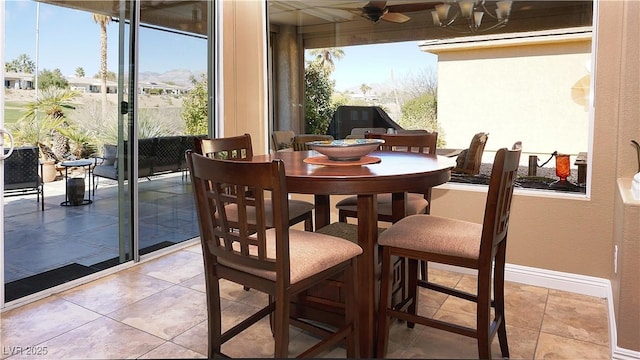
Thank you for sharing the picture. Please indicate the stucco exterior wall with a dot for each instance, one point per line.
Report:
(518, 90)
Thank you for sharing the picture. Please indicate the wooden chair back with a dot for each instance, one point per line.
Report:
(498, 205)
(229, 148)
(455, 242)
(410, 142)
(252, 253)
(240, 148)
(242, 242)
(415, 141)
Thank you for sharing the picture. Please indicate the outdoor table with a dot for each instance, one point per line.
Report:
(70, 190)
(396, 173)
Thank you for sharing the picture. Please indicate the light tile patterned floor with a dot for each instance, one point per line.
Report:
(157, 310)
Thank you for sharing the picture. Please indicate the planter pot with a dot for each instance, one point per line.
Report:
(49, 171)
(75, 191)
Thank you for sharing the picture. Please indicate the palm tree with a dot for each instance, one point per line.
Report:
(365, 89)
(326, 56)
(80, 72)
(103, 20)
(44, 121)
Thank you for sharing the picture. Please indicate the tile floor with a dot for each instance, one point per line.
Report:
(157, 309)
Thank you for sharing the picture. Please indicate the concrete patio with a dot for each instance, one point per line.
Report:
(66, 242)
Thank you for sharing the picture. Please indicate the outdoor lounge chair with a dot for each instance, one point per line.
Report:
(22, 173)
(469, 160)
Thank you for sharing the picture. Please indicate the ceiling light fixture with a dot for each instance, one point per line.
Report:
(472, 11)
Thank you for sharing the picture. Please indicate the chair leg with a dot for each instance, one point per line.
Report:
(385, 302)
(281, 326)
(412, 284)
(351, 309)
(272, 324)
(342, 217)
(483, 316)
(308, 223)
(214, 315)
(424, 273)
(498, 286)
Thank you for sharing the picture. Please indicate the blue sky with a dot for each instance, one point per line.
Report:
(370, 64)
(70, 38)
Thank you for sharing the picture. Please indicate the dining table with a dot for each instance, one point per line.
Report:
(392, 172)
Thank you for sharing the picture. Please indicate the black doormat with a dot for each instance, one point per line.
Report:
(48, 279)
(116, 260)
(35, 283)
(103, 265)
(155, 247)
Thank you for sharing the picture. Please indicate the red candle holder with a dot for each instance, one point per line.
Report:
(563, 166)
(563, 171)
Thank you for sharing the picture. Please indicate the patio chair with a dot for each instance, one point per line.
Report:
(282, 140)
(23, 174)
(268, 257)
(469, 160)
(240, 148)
(416, 203)
(455, 242)
(300, 141)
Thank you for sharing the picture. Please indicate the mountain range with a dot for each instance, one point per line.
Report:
(180, 77)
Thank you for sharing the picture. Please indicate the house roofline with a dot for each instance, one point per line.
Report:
(506, 40)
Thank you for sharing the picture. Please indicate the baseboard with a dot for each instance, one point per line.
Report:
(579, 284)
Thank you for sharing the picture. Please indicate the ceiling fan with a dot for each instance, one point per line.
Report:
(378, 10)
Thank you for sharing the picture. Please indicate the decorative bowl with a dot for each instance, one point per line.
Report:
(345, 150)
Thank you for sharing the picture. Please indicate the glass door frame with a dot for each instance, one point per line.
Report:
(2, 34)
(127, 119)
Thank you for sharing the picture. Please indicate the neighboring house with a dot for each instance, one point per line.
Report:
(91, 85)
(25, 81)
(14, 80)
(158, 88)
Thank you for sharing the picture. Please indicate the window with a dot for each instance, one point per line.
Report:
(528, 81)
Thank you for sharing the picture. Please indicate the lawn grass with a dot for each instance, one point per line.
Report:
(13, 110)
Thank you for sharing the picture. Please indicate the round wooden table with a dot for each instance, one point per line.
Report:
(396, 173)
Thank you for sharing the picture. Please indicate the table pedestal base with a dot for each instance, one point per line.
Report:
(325, 303)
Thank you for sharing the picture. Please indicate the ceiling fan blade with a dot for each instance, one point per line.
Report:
(403, 8)
(396, 17)
(378, 4)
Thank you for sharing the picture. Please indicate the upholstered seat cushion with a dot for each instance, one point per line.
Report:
(416, 204)
(435, 234)
(296, 208)
(310, 253)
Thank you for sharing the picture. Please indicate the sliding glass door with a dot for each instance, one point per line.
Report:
(128, 88)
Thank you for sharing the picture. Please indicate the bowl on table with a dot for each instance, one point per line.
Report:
(345, 150)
